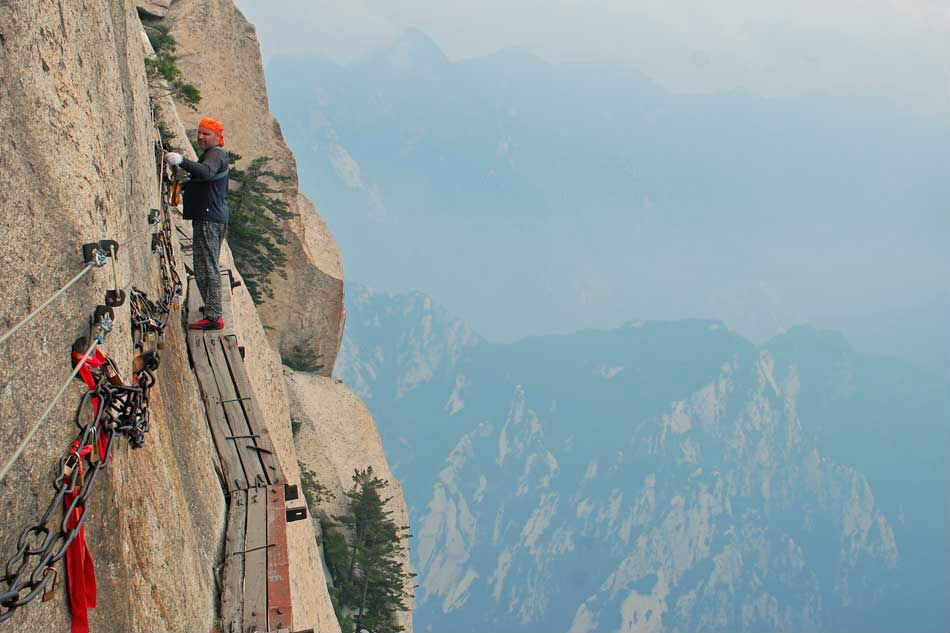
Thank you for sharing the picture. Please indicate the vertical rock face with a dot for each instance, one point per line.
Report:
(305, 315)
(77, 166)
(310, 599)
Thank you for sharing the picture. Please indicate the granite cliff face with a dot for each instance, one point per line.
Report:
(77, 164)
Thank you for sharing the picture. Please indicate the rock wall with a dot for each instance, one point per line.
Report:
(78, 166)
(307, 308)
(221, 56)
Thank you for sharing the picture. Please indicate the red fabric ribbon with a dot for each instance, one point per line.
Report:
(80, 569)
(96, 361)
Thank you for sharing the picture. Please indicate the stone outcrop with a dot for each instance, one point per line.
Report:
(155, 8)
(305, 315)
(78, 166)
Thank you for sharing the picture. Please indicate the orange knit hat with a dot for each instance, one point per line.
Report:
(215, 126)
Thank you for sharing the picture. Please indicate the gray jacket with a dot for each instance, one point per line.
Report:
(205, 196)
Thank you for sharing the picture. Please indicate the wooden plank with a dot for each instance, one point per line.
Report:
(231, 406)
(252, 411)
(279, 614)
(227, 310)
(194, 302)
(255, 562)
(234, 475)
(232, 583)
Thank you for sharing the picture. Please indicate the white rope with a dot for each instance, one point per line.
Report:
(29, 436)
(30, 316)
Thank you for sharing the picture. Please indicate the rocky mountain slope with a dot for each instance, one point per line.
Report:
(78, 165)
(659, 476)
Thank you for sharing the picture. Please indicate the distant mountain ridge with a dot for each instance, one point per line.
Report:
(659, 476)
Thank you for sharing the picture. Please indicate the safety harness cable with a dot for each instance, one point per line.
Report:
(29, 436)
(43, 306)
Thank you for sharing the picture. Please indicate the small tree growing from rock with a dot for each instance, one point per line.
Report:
(164, 67)
(369, 581)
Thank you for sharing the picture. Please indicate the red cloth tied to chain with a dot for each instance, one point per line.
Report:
(80, 569)
(93, 363)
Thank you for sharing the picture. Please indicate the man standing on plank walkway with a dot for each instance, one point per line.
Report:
(205, 199)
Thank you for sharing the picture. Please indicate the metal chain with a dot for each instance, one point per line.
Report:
(121, 409)
(41, 546)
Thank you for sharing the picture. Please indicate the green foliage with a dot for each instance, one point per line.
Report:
(335, 553)
(333, 541)
(295, 425)
(302, 357)
(158, 36)
(165, 135)
(164, 67)
(254, 231)
(313, 491)
(369, 581)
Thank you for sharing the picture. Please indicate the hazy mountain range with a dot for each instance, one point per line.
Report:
(658, 476)
(537, 198)
(722, 473)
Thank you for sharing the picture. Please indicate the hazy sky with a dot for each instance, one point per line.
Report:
(898, 50)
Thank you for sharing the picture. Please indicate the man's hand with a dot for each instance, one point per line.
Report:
(173, 158)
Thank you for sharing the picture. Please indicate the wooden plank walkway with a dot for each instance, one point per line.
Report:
(234, 416)
(232, 585)
(255, 586)
(255, 562)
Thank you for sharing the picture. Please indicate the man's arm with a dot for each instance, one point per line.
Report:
(212, 163)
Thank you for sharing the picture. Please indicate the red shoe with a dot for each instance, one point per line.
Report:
(207, 324)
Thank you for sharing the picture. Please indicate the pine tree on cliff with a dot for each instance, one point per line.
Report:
(370, 583)
(254, 233)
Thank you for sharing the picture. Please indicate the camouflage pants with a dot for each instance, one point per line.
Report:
(206, 247)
